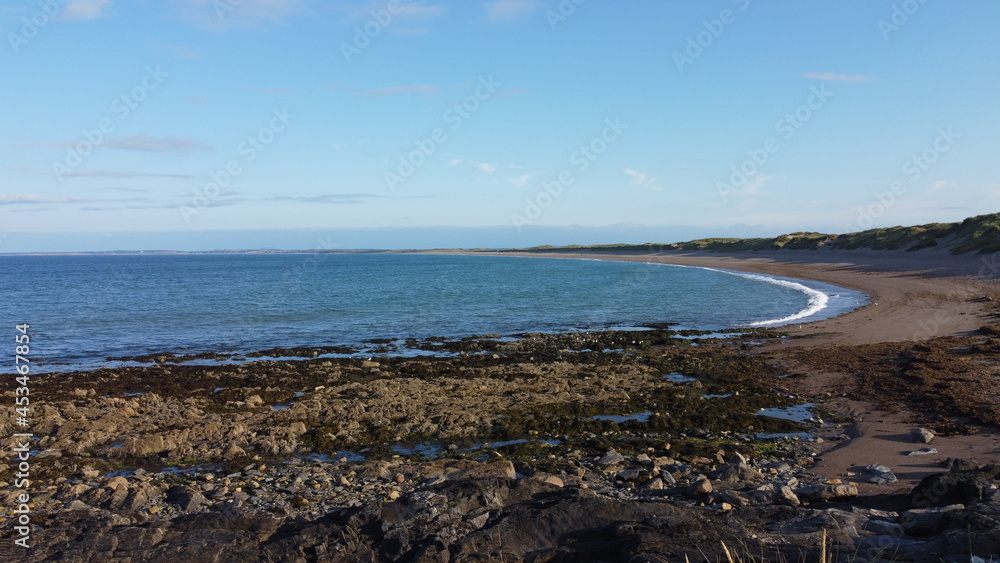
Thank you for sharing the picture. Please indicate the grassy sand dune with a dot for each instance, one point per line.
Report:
(974, 235)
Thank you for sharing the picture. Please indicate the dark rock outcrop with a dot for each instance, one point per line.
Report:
(955, 487)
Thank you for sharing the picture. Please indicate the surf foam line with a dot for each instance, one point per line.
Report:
(817, 300)
(816, 303)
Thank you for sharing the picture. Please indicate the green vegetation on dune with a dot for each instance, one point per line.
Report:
(793, 241)
(897, 238)
(979, 234)
(976, 234)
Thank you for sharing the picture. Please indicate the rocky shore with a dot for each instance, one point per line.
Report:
(606, 446)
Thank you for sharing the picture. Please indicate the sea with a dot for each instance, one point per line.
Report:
(91, 311)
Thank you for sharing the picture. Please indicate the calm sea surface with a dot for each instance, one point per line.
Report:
(84, 309)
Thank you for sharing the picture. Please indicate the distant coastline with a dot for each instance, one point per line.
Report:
(975, 235)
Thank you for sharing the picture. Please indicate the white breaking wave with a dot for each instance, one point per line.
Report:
(816, 303)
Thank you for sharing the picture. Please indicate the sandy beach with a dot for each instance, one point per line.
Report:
(914, 297)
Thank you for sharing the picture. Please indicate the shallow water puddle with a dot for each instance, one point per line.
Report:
(798, 413)
(336, 457)
(679, 378)
(783, 435)
(421, 450)
(432, 450)
(620, 418)
(710, 336)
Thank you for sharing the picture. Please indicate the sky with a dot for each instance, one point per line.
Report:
(304, 124)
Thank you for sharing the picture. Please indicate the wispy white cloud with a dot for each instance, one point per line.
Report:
(402, 10)
(499, 11)
(940, 184)
(756, 183)
(154, 144)
(182, 52)
(834, 77)
(643, 180)
(278, 91)
(120, 174)
(139, 143)
(490, 169)
(425, 89)
(521, 180)
(131, 190)
(77, 10)
(326, 198)
(420, 10)
(224, 200)
(485, 167)
(29, 199)
(512, 93)
(404, 18)
(221, 15)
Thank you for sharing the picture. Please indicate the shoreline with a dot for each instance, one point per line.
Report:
(908, 294)
(848, 301)
(913, 299)
(807, 287)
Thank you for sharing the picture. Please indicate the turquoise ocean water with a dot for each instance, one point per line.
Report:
(85, 309)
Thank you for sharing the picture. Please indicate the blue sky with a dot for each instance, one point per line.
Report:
(206, 124)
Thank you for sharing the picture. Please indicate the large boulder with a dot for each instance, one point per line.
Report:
(699, 488)
(826, 493)
(147, 445)
(737, 473)
(111, 496)
(955, 487)
(185, 498)
(610, 458)
(927, 521)
(141, 496)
